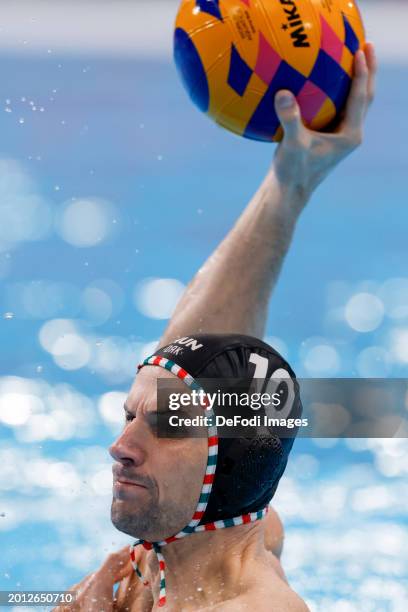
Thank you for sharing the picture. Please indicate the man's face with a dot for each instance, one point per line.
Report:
(164, 476)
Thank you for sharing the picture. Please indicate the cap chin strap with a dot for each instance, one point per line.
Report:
(193, 526)
(157, 546)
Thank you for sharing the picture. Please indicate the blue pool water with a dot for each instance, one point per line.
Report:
(166, 185)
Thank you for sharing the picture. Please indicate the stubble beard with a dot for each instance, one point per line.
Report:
(149, 522)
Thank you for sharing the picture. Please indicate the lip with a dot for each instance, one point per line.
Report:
(120, 481)
(120, 478)
(124, 489)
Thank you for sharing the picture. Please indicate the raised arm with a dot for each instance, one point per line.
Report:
(231, 292)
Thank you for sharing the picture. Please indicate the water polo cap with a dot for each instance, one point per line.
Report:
(242, 473)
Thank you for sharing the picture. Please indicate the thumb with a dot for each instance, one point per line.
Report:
(289, 115)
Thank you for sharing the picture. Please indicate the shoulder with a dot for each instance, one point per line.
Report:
(276, 596)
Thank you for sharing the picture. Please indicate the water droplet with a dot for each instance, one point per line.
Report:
(21, 120)
(23, 99)
(42, 109)
(8, 110)
(142, 126)
(8, 101)
(57, 188)
(8, 315)
(39, 368)
(160, 157)
(31, 103)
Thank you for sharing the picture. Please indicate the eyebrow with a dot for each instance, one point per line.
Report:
(127, 409)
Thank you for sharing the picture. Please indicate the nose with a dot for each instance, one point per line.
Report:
(126, 448)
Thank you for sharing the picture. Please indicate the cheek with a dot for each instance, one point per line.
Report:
(181, 465)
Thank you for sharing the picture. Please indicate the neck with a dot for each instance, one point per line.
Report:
(207, 567)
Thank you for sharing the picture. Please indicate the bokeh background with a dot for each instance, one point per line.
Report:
(113, 191)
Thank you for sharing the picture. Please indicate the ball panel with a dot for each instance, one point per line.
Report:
(330, 77)
(310, 99)
(352, 12)
(241, 21)
(268, 60)
(330, 41)
(325, 115)
(212, 7)
(236, 113)
(351, 40)
(191, 69)
(347, 62)
(239, 72)
(293, 30)
(227, 102)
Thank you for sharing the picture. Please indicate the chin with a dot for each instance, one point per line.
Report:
(122, 518)
(146, 522)
(134, 523)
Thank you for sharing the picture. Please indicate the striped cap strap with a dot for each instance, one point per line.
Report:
(162, 572)
(134, 562)
(212, 454)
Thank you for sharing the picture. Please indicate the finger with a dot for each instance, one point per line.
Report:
(80, 586)
(372, 65)
(289, 115)
(76, 588)
(127, 592)
(116, 566)
(122, 590)
(358, 98)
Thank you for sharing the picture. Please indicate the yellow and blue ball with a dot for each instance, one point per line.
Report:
(234, 55)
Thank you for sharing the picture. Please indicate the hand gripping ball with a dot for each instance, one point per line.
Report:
(234, 55)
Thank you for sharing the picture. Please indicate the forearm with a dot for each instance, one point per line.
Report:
(231, 292)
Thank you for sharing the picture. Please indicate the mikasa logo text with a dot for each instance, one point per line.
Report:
(298, 35)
